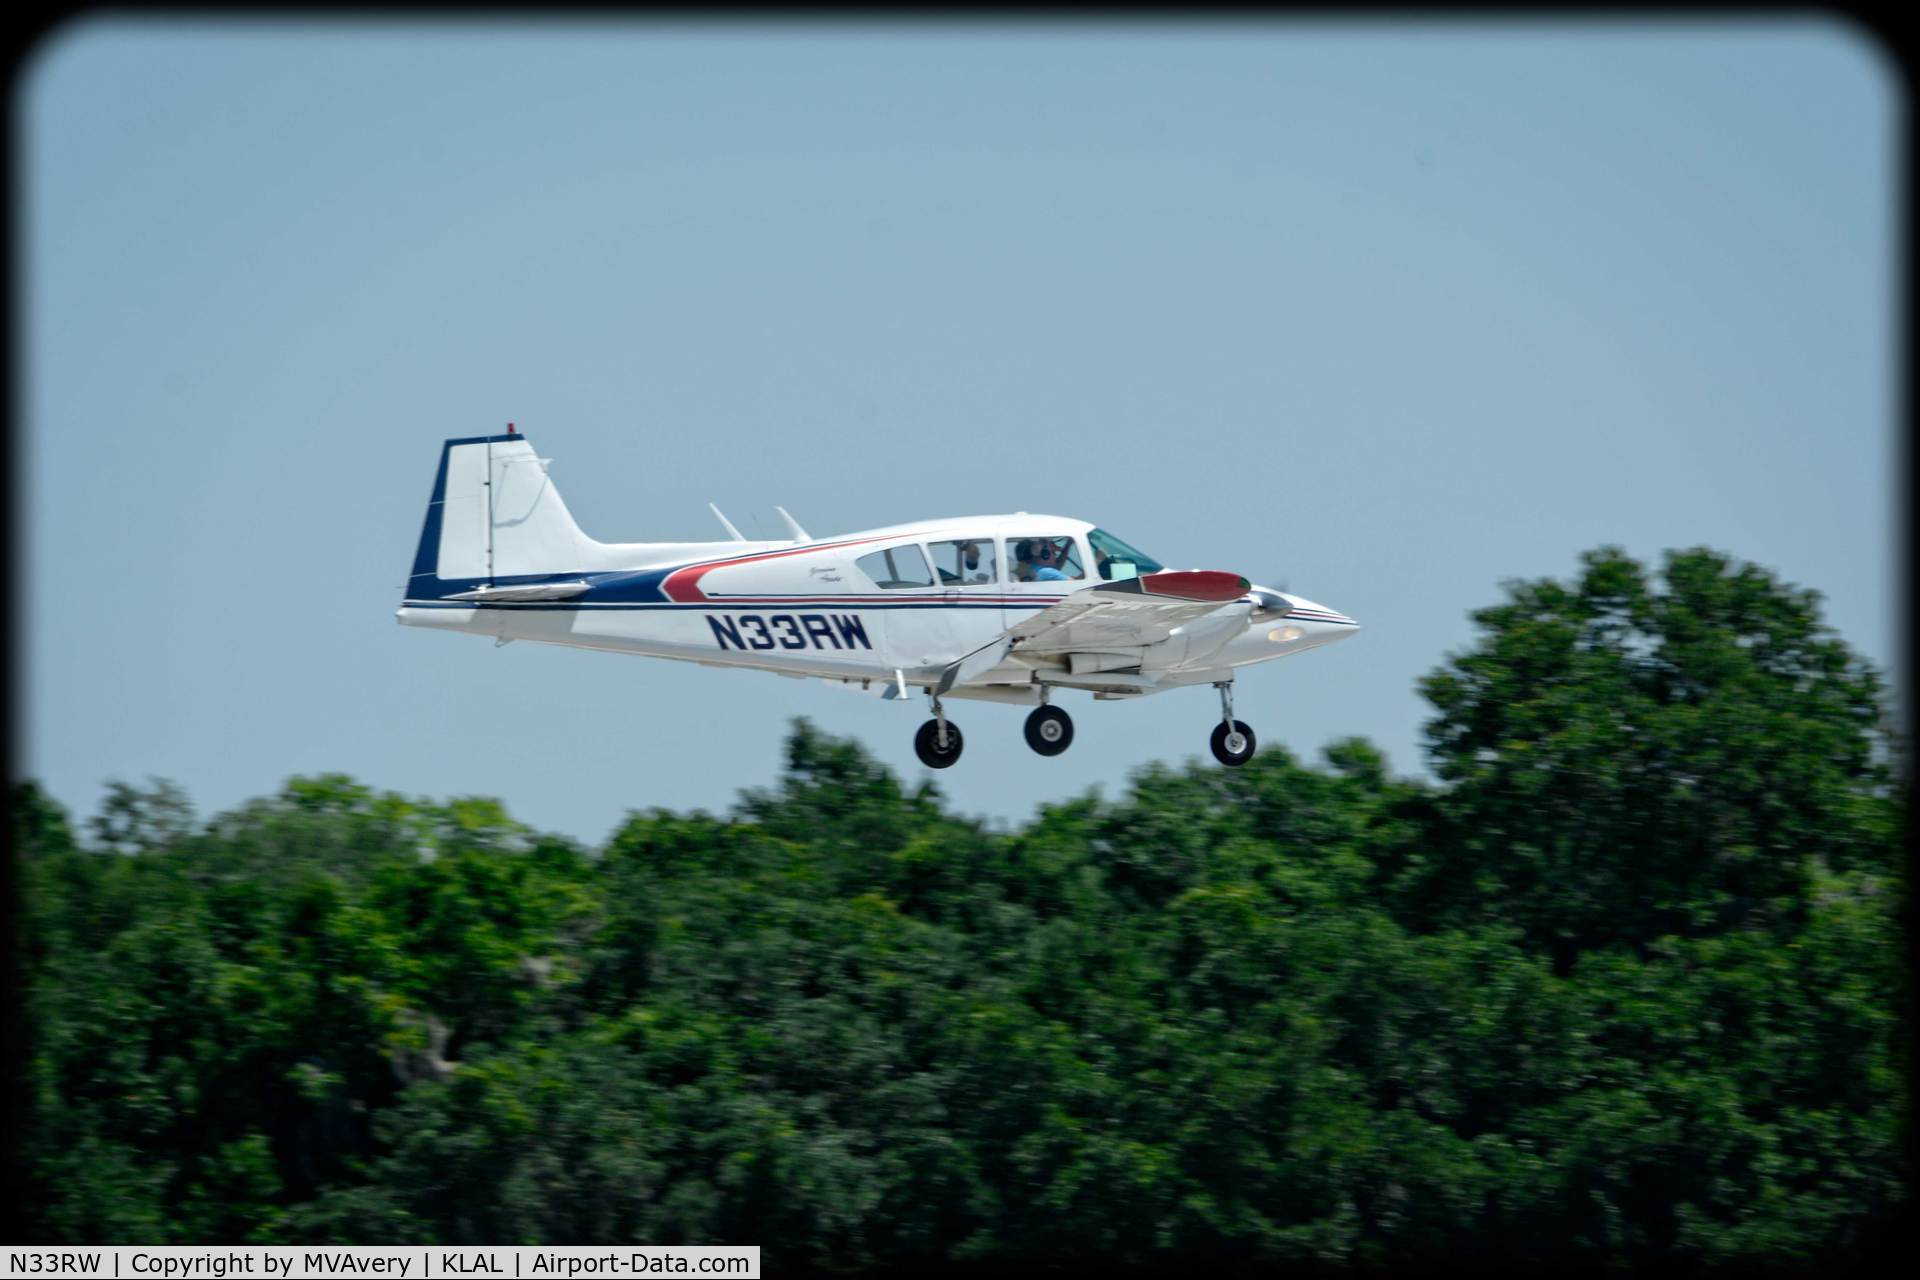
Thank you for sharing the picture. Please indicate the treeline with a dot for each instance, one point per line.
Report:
(1624, 986)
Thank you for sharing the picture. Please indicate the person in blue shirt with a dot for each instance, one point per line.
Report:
(1042, 557)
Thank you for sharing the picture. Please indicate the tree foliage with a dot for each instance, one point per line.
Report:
(1623, 985)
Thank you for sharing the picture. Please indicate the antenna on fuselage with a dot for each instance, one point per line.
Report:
(793, 526)
(735, 533)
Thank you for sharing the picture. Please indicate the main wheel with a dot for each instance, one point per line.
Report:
(1233, 744)
(926, 744)
(1049, 731)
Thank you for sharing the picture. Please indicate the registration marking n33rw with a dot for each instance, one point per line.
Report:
(790, 631)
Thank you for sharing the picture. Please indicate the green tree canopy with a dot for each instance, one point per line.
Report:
(1627, 763)
(1621, 985)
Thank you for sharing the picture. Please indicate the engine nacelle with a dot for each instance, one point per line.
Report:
(1192, 643)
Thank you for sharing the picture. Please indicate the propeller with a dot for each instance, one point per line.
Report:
(1270, 603)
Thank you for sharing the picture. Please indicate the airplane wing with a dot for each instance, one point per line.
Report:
(1135, 611)
(1132, 613)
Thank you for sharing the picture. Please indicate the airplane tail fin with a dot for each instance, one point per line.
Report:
(494, 516)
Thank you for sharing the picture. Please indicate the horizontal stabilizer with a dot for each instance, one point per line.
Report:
(532, 591)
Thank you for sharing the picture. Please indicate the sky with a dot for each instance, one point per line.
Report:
(1386, 314)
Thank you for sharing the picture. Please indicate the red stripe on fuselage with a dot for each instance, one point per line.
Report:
(683, 585)
(875, 598)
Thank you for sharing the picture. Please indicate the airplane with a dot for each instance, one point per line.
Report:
(1010, 608)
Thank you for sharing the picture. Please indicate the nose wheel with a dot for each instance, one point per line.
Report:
(1232, 740)
(938, 741)
(1233, 743)
(1049, 731)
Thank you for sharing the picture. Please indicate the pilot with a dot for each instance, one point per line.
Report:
(1045, 555)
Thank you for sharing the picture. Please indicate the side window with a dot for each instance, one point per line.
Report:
(897, 568)
(965, 562)
(1044, 559)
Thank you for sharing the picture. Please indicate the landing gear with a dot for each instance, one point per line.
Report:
(1232, 740)
(938, 741)
(1233, 743)
(1049, 731)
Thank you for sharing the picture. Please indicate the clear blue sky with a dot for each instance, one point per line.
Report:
(1384, 313)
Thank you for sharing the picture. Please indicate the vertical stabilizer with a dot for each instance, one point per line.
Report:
(495, 519)
(494, 515)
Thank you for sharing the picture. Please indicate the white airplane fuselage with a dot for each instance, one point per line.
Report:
(804, 609)
(886, 610)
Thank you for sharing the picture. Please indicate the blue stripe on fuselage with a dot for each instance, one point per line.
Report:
(706, 605)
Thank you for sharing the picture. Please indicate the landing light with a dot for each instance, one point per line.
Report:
(1282, 635)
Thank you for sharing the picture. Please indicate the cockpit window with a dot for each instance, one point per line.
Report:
(1116, 560)
(897, 568)
(1044, 559)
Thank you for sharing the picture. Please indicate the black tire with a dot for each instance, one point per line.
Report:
(1221, 752)
(1049, 731)
(926, 744)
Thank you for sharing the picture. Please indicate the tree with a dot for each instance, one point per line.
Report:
(132, 820)
(1622, 987)
(1626, 763)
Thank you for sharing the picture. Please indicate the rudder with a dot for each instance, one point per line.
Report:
(493, 515)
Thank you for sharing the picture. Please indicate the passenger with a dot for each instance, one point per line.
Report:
(970, 563)
(967, 558)
(1023, 560)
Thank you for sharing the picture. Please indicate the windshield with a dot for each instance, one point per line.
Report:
(1116, 560)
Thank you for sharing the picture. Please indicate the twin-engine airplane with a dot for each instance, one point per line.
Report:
(1000, 608)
